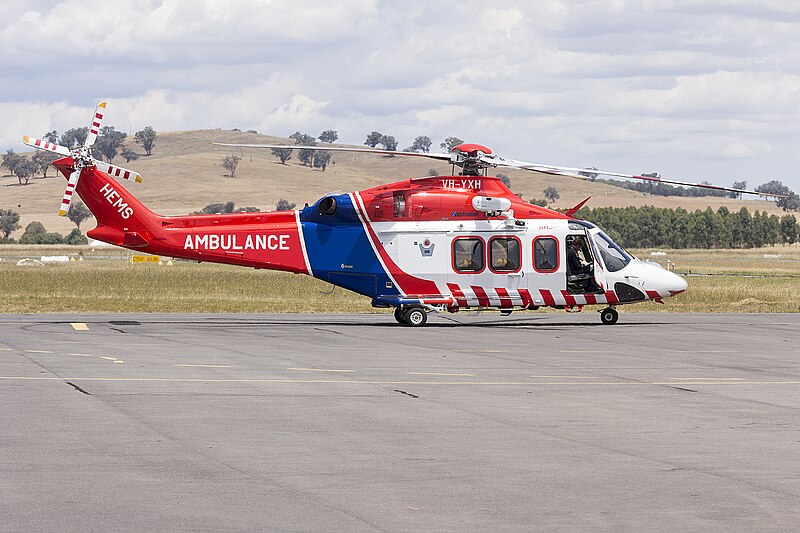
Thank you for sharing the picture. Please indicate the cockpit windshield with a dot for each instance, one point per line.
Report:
(614, 257)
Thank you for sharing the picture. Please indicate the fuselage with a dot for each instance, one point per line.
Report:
(413, 242)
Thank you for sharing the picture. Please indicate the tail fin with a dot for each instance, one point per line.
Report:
(121, 218)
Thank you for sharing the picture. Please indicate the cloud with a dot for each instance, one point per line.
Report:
(673, 86)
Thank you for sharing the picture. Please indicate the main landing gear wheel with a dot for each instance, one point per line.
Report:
(398, 315)
(415, 316)
(609, 316)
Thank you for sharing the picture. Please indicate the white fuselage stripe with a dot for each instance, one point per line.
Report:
(303, 242)
(359, 205)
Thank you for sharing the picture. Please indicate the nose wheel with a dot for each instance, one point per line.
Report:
(411, 316)
(609, 316)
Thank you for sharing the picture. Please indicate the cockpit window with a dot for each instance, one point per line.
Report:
(614, 257)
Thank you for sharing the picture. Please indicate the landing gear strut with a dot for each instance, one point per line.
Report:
(411, 316)
(609, 316)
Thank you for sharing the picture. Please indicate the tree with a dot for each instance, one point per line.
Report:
(129, 155)
(771, 188)
(10, 160)
(43, 160)
(147, 138)
(374, 139)
(790, 231)
(230, 163)
(9, 222)
(224, 209)
(321, 159)
(51, 136)
(790, 203)
(109, 141)
(504, 179)
(25, 170)
(35, 233)
(591, 175)
(284, 154)
(328, 136)
(389, 143)
(78, 213)
(432, 172)
(75, 237)
(305, 156)
(74, 137)
(216, 209)
(420, 144)
(738, 185)
(284, 205)
(551, 194)
(450, 143)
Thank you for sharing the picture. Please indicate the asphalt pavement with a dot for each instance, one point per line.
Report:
(354, 423)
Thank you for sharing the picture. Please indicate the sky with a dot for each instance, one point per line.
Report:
(692, 89)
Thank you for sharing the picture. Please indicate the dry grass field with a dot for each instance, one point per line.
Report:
(184, 174)
(106, 282)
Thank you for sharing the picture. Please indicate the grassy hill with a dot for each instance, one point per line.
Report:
(184, 174)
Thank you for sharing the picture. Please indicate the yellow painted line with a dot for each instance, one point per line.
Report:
(79, 326)
(363, 382)
(319, 370)
(38, 351)
(709, 379)
(5, 349)
(705, 351)
(568, 377)
(208, 366)
(439, 374)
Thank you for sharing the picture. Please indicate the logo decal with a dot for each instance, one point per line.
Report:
(115, 200)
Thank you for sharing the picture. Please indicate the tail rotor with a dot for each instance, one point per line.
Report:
(82, 158)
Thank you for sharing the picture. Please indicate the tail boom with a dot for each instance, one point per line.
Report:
(270, 240)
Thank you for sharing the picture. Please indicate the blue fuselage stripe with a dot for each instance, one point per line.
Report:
(340, 252)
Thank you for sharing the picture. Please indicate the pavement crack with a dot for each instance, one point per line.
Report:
(77, 388)
(406, 393)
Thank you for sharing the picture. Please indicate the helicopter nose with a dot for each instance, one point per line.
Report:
(675, 284)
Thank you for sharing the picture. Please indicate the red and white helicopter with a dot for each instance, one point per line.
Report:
(429, 244)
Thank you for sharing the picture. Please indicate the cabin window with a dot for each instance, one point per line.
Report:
(545, 254)
(468, 254)
(504, 254)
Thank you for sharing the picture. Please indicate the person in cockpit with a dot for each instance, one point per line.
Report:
(579, 273)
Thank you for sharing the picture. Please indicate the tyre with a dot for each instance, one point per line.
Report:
(609, 316)
(415, 317)
(398, 315)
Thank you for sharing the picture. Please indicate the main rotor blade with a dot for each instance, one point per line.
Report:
(117, 171)
(71, 183)
(45, 145)
(446, 157)
(94, 127)
(582, 173)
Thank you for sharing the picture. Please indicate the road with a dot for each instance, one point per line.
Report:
(353, 423)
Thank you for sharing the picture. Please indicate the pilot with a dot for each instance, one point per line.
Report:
(574, 263)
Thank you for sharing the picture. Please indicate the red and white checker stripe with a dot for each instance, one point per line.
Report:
(45, 145)
(503, 298)
(119, 172)
(97, 121)
(68, 194)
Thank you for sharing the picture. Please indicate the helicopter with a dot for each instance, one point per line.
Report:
(423, 245)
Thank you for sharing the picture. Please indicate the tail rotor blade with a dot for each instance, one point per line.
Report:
(118, 171)
(97, 120)
(45, 145)
(67, 200)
